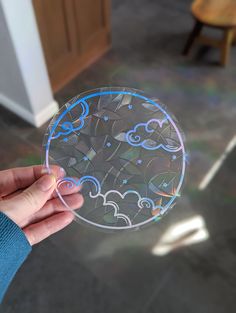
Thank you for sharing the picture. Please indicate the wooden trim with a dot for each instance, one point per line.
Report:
(74, 34)
(58, 84)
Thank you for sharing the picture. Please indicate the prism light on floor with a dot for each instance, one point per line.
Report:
(187, 232)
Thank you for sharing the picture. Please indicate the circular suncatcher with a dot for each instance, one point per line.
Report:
(124, 149)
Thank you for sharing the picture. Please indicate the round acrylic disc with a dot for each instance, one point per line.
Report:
(124, 149)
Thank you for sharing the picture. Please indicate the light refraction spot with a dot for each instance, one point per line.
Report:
(124, 149)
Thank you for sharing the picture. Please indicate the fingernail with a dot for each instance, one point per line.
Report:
(44, 171)
(46, 182)
(69, 218)
(62, 172)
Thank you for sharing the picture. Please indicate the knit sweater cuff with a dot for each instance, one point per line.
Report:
(14, 248)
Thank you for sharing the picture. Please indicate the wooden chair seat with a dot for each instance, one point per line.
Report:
(219, 14)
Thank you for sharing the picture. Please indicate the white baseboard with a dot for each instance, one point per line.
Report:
(46, 113)
(34, 119)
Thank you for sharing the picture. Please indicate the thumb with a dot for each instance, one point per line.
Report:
(30, 200)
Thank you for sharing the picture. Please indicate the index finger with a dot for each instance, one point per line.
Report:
(22, 177)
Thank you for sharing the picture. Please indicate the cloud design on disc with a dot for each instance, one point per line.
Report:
(135, 136)
(67, 127)
(142, 202)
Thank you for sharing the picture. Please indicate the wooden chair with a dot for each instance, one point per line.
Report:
(219, 14)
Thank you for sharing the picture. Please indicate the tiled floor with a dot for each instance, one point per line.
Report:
(82, 270)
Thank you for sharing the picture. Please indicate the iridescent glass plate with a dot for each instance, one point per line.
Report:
(124, 149)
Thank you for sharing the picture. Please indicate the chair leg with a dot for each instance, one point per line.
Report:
(195, 32)
(234, 40)
(226, 45)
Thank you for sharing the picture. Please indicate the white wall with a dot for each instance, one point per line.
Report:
(24, 84)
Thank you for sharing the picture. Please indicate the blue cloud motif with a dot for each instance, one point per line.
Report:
(142, 202)
(67, 127)
(134, 137)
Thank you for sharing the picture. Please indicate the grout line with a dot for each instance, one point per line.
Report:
(217, 165)
(163, 282)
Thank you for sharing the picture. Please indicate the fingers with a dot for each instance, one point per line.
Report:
(20, 178)
(15, 193)
(39, 231)
(30, 200)
(65, 190)
(74, 201)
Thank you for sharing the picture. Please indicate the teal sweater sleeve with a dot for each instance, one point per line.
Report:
(14, 248)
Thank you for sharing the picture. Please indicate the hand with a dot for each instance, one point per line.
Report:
(27, 197)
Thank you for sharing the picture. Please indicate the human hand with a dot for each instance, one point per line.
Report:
(27, 197)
